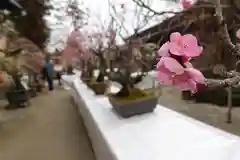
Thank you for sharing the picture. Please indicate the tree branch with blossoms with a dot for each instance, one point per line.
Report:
(175, 68)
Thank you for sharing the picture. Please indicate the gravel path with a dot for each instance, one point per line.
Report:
(50, 129)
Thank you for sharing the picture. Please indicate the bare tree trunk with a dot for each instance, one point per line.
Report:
(223, 31)
(103, 67)
(124, 92)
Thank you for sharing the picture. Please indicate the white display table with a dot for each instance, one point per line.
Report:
(161, 135)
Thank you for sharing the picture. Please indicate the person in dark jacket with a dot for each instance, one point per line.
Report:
(47, 73)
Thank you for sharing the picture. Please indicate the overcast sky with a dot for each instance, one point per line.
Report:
(60, 23)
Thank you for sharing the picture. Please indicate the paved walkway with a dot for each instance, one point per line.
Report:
(50, 129)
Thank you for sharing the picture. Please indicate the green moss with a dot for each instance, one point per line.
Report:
(135, 94)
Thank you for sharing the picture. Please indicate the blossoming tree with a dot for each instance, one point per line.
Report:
(131, 54)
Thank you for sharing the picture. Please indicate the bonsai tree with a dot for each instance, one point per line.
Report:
(8, 65)
(124, 74)
(132, 56)
(9, 58)
(130, 100)
(76, 49)
(16, 94)
(87, 50)
(98, 50)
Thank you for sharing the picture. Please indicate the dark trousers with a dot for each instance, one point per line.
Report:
(50, 83)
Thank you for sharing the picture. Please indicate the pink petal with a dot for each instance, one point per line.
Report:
(193, 51)
(164, 50)
(164, 78)
(189, 39)
(163, 74)
(172, 65)
(191, 48)
(191, 86)
(160, 63)
(188, 85)
(175, 37)
(196, 75)
(186, 3)
(175, 49)
(188, 64)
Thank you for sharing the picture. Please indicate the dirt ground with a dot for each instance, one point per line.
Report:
(207, 113)
(49, 129)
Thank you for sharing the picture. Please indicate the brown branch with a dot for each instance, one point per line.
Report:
(140, 3)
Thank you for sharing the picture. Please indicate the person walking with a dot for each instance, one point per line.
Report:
(47, 73)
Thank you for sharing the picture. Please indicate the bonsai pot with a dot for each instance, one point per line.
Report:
(130, 108)
(99, 88)
(17, 98)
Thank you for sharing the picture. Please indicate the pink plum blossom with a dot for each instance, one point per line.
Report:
(179, 45)
(164, 50)
(171, 72)
(184, 45)
(174, 67)
(186, 3)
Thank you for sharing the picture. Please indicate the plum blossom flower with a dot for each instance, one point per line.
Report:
(179, 45)
(184, 45)
(174, 67)
(186, 3)
(164, 52)
(171, 72)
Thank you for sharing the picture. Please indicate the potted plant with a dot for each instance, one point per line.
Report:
(17, 95)
(97, 51)
(130, 101)
(87, 57)
(98, 84)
